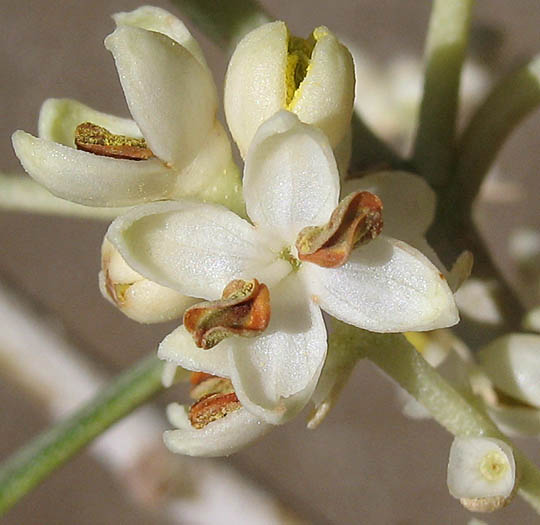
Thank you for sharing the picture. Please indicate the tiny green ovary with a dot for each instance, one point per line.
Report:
(287, 255)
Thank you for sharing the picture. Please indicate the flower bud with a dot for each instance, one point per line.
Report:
(137, 297)
(481, 473)
(512, 363)
(272, 70)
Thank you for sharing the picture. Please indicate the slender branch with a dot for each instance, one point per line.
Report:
(512, 99)
(21, 193)
(23, 471)
(225, 22)
(370, 151)
(445, 51)
(400, 360)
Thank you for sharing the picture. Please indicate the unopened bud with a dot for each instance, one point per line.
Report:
(512, 363)
(481, 473)
(137, 297)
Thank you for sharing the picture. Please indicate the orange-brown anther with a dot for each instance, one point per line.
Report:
(212, 407)
(244, 310)
(100, 141)
(215, 399)
(357, 220)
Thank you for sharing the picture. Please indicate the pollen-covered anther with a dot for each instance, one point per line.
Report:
(100, 141)
(243, 310)
(215, 399)
(357, 220)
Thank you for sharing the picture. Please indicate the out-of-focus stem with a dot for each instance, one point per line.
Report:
(369, 151)
(512, 99)
(21, 193)
(35, 461)
(445, 51)
(224, 21)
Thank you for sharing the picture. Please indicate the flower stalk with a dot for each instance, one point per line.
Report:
(444, 55)
(224, 22)
(54, 447)
(511, 100)
(21, 193)
(460, 416)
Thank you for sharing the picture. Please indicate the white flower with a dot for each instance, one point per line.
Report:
(271, 70)
(172, 98)
(481, 472)
(290, 182)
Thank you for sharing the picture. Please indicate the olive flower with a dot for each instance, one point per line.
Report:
(272, 70)
(174, 146)
(291, 188)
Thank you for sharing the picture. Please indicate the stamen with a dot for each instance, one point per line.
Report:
(244, 310)
(215, 399)
(100, 141)
(298, 59)
(357, 220)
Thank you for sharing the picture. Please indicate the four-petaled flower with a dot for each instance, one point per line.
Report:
(290, 183)
(173, 100)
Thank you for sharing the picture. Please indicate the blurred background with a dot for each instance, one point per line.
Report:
(366, 463)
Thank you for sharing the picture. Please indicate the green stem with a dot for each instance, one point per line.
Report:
(369, 151)
(26, 468)
(401, 361)
(445, 51)
(21, 193)
(512, 99)
(224, 21)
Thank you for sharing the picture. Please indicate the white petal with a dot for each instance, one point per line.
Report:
(91, 179)
(156, 19)
(168, 375)
(211, 169)
(325, 96)
(290, 179)
(179, 348)
(408, 201)
(170, 95)
(466, 478)
(255, 85)
(512, 362)
(386, 286)
(274, 374)
(59, 117)
(194, 248)
(178, 415)
(219, 438)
